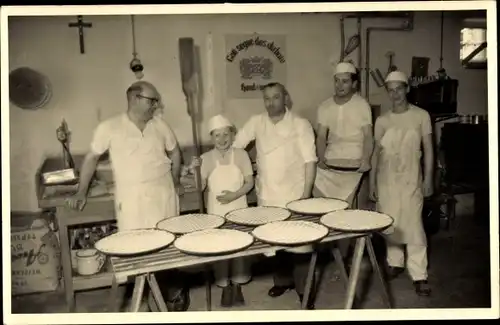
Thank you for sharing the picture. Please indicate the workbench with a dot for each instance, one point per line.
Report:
(142, 269)
(98, 210)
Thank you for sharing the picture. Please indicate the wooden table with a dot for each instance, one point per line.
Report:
(97, 210)
(142, 268)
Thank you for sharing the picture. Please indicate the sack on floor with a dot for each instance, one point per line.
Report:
(35, 258)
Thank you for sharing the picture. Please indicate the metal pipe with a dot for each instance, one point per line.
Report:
(360, 53)
(342, 39)
(406, 28)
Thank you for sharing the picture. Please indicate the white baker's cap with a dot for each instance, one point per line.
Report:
(344, 67)
(218, 122)
(397, 76)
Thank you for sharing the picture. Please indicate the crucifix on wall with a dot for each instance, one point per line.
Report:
(81, 25)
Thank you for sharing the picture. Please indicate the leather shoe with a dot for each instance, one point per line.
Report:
(277, 291)
(310, 303)
(422, 288)
(394, 272)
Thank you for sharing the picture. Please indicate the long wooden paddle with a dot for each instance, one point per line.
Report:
(190, 87)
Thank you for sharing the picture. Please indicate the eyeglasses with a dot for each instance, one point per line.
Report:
(153, 100)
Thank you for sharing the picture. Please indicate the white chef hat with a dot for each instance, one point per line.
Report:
(396, 76)
(217, 122)
(344, 67)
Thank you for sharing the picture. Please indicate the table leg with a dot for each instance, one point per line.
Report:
(378, 272)
(354, 275)
(339, 260)
(208, 271)
(155, 290)
(66, 264)
(113, 296)
(138, 293)
(309, 280)
(153, 306)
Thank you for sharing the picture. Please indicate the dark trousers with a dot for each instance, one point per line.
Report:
(291, 269)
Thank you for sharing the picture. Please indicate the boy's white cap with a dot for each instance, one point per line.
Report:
(344, 67)
(397, 76)
(217, 122)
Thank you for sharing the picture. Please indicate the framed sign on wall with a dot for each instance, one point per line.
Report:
(252, 61)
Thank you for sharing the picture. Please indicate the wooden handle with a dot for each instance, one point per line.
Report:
(190, 89)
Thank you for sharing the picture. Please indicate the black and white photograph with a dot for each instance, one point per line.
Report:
(309, 161)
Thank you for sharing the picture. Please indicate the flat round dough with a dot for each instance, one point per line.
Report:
(317, 206)
(256, 216)
(190, 223)
(292, 232)
(214, 242)
(134, 242)
(356, 221)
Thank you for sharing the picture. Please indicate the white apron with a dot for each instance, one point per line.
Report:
(227, 178)
(346, 142)
(278, 183)
(143, 205)
(399, 186)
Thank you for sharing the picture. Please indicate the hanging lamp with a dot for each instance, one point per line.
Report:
(135, 65)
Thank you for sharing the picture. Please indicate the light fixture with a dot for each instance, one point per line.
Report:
(135, 65)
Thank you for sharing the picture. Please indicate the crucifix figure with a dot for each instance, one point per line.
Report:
(80, 24)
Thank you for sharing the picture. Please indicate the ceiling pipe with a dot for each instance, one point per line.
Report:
(406, 27)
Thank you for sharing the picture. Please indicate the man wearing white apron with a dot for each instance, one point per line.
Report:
(286, 167)
(344, 139)
(146, 162)
(396, 182)
(227, 174)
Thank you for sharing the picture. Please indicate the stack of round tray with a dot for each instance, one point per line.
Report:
(214, 242)
(290, 233)
(188, 223)
(356, 221)
(256, 216)
(135, 242)
(316, 206)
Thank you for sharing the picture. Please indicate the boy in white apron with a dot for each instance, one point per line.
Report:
(397, 183)
(227, 175)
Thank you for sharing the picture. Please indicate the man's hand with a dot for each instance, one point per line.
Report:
(428, 188)
(365, 166)
(373, 192)
(322, 164)
(77, 201)
(179, 189)
(227, 197)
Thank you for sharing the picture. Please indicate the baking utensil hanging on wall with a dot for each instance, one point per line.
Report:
(352, 44)
(390, 55)
(29, 89)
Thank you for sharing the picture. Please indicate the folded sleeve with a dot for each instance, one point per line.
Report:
(426, 124)
(365, 113)
(306, 141)
(246, 134)
(101, 140)
(168, 135)
(243, 162)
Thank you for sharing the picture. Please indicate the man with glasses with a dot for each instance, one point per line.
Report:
(146, 162)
